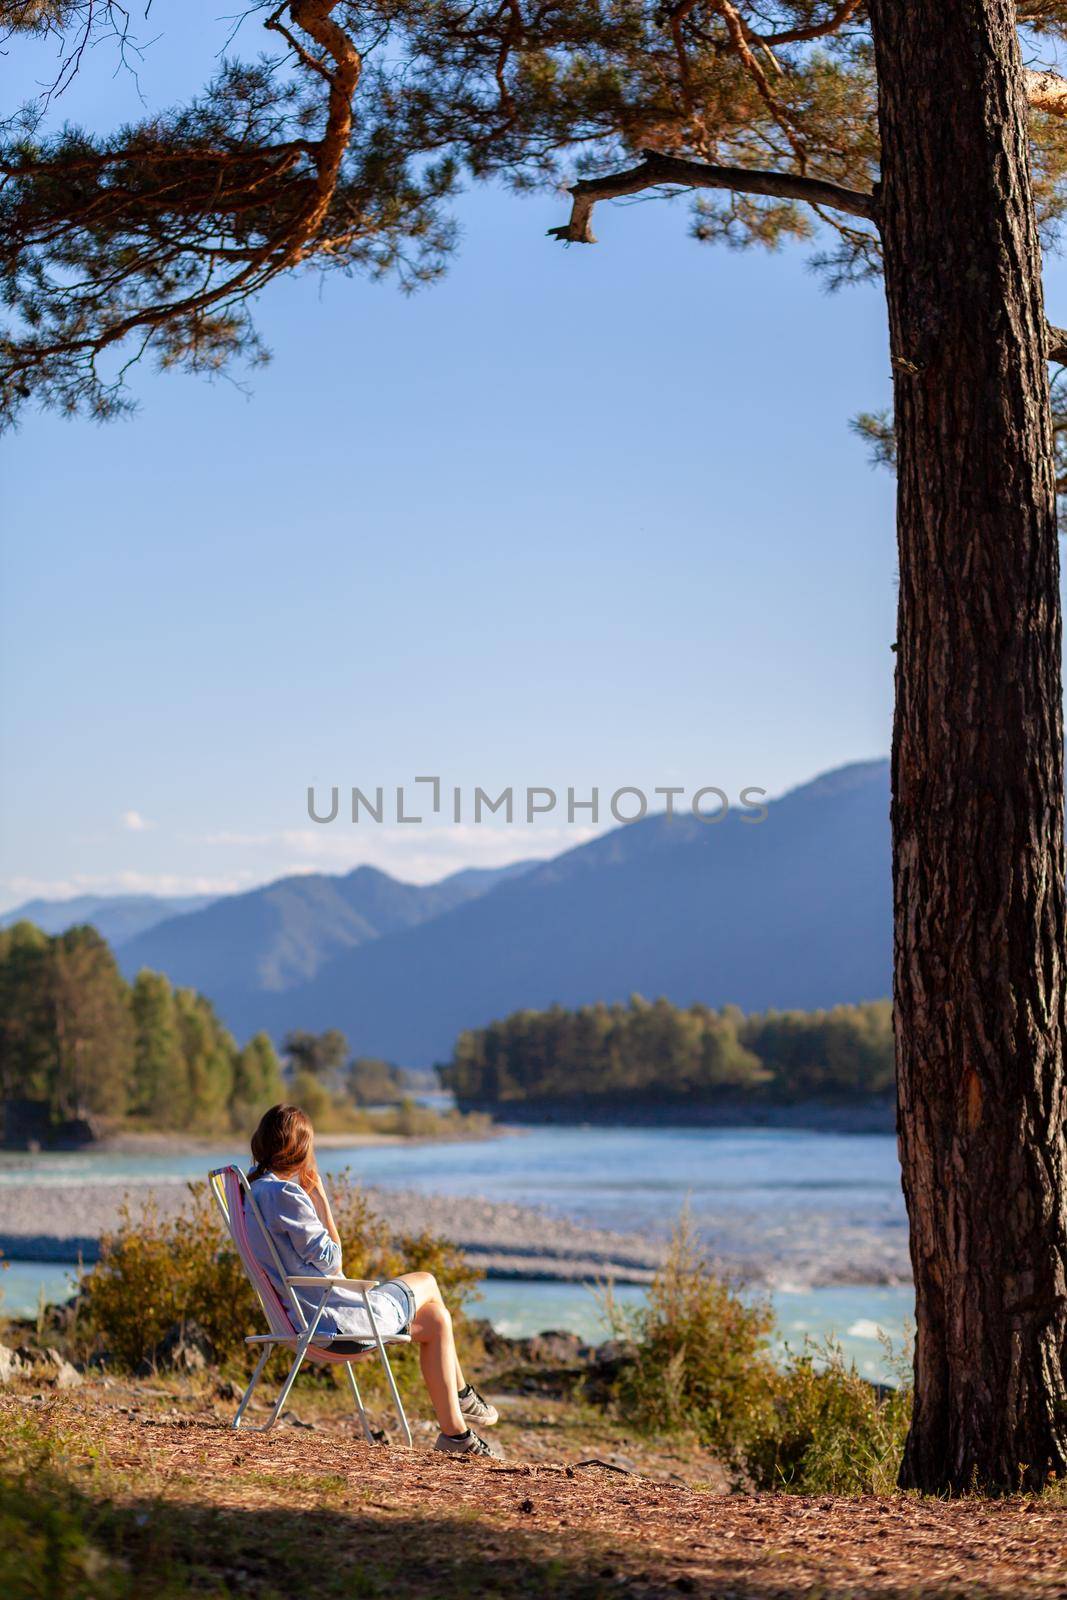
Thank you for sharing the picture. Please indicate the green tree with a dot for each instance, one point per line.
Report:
(28, 1062)
(74, 1034)
(848, 1050)
(208, 1053)
(321, 1054)
(159, 1075)
(257, 1081)
(370, 1081)
(307, 1091)
(93, 1029)
(663, 1052)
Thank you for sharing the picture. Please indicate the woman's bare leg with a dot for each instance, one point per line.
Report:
(431, 1329)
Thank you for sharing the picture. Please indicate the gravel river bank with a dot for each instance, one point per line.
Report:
(42, 1222)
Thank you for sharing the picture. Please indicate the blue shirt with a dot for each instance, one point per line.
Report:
(304, 1246)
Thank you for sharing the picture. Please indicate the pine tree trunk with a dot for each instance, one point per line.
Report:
(977, 753)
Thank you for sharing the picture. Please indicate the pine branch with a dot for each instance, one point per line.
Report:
(1046, 91)
(657, 169)
(841, 14)
(1056, 343)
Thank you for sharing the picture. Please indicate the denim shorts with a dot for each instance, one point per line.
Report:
(404, 1298)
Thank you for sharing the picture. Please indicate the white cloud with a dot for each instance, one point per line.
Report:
(133, 822)
(15, 890)
(415, 854)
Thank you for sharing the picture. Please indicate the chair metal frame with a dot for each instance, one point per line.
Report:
(289, 1325)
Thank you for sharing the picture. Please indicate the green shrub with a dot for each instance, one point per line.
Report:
(702, 1364)
(154, 1272)
(701, 1361)
(828, 1431)
(409, 1120)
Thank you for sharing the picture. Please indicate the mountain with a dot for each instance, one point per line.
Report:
(267, 940)
(791, 912)
(115, 917)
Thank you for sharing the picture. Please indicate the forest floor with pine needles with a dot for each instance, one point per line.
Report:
(119, 1489)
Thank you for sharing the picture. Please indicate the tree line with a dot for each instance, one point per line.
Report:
(79, 1039)
(76, 1036)
(664, 1051)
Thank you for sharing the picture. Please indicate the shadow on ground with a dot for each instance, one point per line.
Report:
(58, 1541)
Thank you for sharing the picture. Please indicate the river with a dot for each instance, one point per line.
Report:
(816, 1218)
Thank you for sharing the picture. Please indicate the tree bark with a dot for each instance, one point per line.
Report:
(977, 810)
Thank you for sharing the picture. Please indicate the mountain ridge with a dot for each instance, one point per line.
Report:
(793, 912)
(117, 917)
(267, 939)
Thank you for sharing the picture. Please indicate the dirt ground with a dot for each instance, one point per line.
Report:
(259, 1513)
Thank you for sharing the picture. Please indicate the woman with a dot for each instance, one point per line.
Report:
(296, 1213)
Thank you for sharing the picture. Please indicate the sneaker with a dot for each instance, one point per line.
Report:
(468, 1444)
(476, 1408)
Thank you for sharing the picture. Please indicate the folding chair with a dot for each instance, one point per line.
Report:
(287, 1323)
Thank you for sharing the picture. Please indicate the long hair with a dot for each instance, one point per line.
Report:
(282, 1142)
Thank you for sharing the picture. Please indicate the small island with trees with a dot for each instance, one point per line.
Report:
(654, 1061)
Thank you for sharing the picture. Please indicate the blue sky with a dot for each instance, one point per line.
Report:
(572, 516)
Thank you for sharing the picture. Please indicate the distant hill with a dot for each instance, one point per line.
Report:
(270, 939)
(115, 917)
(793, 912)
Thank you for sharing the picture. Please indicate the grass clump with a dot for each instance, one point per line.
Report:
(701, 1362)
(56, 1539)
(826, 1430)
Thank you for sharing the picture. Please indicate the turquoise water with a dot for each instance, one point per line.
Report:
(22, 1283)
(858, 1316)
(615, 1177)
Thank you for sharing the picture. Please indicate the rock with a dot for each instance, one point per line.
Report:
(185, 1347)
(11, 1364)
(614, 1352)
(551, 1348)
(494, 1343)
(555, 1349)
(63, 1375)
(557, 1363)
(606, 1366)
(57, 1369)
